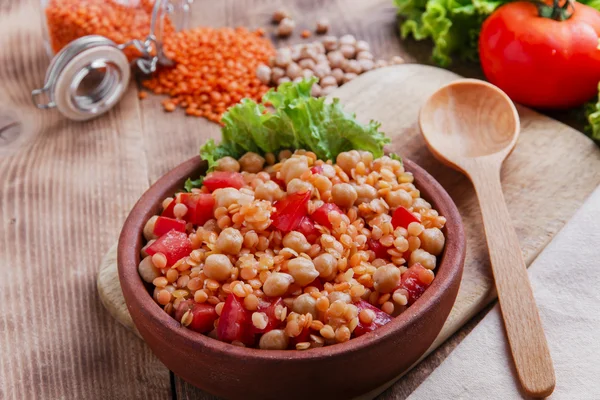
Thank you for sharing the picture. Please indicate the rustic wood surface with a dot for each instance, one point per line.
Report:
(66, 188)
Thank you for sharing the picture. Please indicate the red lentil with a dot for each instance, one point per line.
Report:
(214, 69)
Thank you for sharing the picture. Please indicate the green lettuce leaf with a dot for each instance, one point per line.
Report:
(593, 117)
(293, 119)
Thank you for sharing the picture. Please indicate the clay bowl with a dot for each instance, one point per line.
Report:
(341, 371)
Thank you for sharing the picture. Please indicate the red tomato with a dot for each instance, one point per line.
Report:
(223, 179)
(415, 280)
(174, 245)
(317, 169)
(308, 229)
(321, 214)
(542, 62)
(304, 336)
(204, 315)
(379, 249)
(165, 224)
(200, 207)
(318, 283)
(235, 322)
(290, 210)
(268, 307)
(381, 319)
(168, 212)
(402, 217)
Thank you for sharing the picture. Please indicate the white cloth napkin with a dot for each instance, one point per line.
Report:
(566, 284)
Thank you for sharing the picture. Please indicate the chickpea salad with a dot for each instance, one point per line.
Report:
(292, 249)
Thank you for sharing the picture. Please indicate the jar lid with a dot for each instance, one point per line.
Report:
(85, 79)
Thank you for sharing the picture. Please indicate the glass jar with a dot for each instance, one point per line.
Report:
(93, 42)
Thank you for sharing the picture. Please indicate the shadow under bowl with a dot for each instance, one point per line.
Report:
(340, 371)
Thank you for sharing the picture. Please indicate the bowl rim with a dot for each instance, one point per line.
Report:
(450, 265)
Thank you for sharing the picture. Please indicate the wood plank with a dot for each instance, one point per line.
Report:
(65, 189)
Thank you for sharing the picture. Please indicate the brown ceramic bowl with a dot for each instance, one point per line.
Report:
(340, 371)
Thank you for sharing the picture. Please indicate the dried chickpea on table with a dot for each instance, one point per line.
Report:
(282, 249)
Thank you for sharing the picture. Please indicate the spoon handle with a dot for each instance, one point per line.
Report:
(519, 310)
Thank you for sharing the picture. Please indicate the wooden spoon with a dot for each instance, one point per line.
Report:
(473, 126)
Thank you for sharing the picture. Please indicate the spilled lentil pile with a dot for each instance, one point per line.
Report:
(214, 69)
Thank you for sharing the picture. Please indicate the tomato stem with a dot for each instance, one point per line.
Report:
(556, 11)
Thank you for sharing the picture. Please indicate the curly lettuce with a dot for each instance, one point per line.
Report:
(593, 117)
(290, 118)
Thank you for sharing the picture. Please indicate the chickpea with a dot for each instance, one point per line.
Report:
(328, 81)
(228, 164)
(305, 304)
(397, 60)
(353, 66)
(381, 63)
(218, 267)
(275, 339)
(279, 15)
(269, 191)
(348, 160)
(230, 241)
(348, 39)
(420, 256)
(366, 64)
(277, 284)
(286, 27)
(315, 91)
(297, 185)
(338, 74)
(147, 270)
(327, 90)
(322, 26)
(386, 278)
(149, 228)
(283, 80)
(228, 196)
(361, 45)
(336, 58)
(420, 204)
(347, 50)
(348, 76)
(296, 241)
(276, 74)
(302, 270)
(293, 168)
(252, 162)
(340, 296)
(330, 43)
(399, 198)
(432, 241)
(322, 70)
(284, 154)
(293, 71)
(366, 157)
(365, 193)
(263, 73)
(364, 55)
(344, 194)
(326, 265)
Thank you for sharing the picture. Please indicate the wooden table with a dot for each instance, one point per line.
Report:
(66, 188)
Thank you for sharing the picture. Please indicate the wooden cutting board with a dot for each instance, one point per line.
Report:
(552, 170)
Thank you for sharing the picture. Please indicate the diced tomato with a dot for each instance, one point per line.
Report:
(317, 169)
(168, 212)
(308, 229)
(200, 207)
(268, 307)
(381, 318)
(165, 224)
(402, 217)
(321, 214)
(204, 315)
(235, 322)
(379, 249)
(223, 179)
(174, 245)
(415, 280)
(304, 336)
(290, 210)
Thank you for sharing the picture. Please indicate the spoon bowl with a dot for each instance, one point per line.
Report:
(473, 126)
(468, 119)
